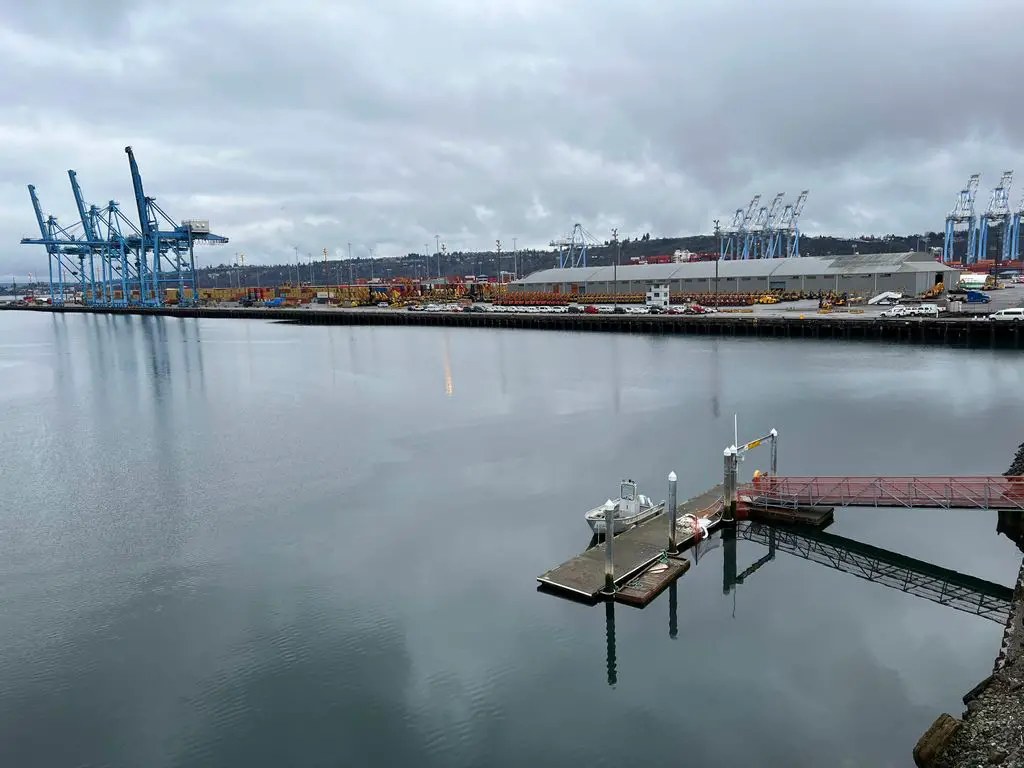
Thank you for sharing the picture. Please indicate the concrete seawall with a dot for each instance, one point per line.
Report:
(954, 332)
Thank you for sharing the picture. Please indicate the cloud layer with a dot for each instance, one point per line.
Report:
(311, 125)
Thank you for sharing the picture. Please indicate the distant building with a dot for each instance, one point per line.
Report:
(870, 274)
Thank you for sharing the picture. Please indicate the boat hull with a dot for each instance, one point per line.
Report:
(620, 524)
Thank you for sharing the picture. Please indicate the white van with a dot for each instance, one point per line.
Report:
(926, 310)
(1014, 314)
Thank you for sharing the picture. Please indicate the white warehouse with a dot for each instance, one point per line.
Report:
(908, 273)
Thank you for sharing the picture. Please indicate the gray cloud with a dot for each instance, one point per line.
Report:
(314, 124)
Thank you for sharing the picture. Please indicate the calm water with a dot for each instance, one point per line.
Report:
(232, 543)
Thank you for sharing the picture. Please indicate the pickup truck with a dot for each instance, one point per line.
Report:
(970, 296)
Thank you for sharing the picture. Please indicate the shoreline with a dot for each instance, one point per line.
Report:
(991, 729)
(964, 332)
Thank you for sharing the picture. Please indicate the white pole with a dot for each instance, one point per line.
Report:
(672, 512)
(609, 535)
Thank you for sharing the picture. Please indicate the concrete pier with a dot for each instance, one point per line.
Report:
(952, 331)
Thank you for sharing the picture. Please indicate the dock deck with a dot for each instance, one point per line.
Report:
(632, 551)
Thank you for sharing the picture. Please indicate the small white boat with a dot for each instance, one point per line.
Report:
(628, 510)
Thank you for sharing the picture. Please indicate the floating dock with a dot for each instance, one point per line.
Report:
(650, 583)
(633, 551)
(817, 517)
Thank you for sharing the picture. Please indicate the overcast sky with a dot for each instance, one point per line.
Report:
(382, 123)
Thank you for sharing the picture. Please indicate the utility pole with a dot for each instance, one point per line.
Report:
(615, 269)
(351, 280)
(717, 259)
(437, 250)
(515, 260)
(297, 278)
(497, 244)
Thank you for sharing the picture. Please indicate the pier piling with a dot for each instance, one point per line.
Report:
(672, 546)
(730, 484)
(609, 536)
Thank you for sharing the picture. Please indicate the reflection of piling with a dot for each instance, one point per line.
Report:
(672, 546)
(728, 558)
(673, 620)
(609, 629)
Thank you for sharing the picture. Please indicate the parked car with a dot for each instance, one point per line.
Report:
(1010, 314)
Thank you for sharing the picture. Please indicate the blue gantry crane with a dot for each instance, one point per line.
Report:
(729, 247)
(997, 214)
(137, 264)
(791, 225)
(962, 214)
(572, 250)
(1015, 231)
(763, 231)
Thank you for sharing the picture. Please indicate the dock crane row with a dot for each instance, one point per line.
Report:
(763, 231)
(111, 261)
(962, 223)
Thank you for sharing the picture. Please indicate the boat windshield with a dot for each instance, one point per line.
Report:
(627, 491)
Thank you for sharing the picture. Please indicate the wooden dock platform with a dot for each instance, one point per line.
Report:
(650, 583)
(632, 552)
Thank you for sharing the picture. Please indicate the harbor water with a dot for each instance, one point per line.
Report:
(243, 543)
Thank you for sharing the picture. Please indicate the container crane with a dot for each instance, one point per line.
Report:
(728, 245)
(962, 213)
(746, 225)
(172, 249)
(792, 233)
(778, 214)
(755, 234)
(136, 262)
(572, 249)
(997, 213)
(60, 245)
(1015, 231)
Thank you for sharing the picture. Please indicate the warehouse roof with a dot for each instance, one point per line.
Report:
(792, 267)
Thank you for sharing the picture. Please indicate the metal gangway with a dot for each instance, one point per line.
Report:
(951, 492)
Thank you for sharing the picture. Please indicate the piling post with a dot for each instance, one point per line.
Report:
(672, 546)
(729, 513)
(609, 536)
(775, 452)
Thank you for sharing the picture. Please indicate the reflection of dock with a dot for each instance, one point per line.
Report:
(891, 569)
(633, 551)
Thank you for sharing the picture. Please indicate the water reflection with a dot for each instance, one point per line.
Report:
(609, 634)
(880, 566)
(888, 568)
(448, 385)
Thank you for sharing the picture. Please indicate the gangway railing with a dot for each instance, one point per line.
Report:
(980, 492)
(891, 569)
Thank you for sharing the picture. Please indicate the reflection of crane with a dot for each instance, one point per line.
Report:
(572, 249)
(891, 569)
